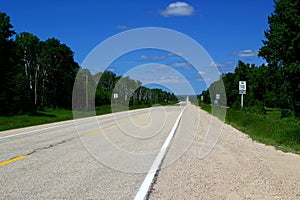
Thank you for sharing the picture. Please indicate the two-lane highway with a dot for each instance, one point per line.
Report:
(79, 159)
(109, 157)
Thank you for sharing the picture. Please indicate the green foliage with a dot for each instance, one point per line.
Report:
(256, 87)
(278, 83)
(282, 49)
(58, 74)
(8, 70)
(206, 97)
(5, 28)
(282, 133)
(268, 128)
(236, 105)
(206, 107)
(286, 113)
(281, 46)
(34, 74)
(266, 87)
(274, 85)
(102, 87)
(56, 115)
(34, 118)
(255, 109)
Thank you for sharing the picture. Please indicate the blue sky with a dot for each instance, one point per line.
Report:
(229, 30)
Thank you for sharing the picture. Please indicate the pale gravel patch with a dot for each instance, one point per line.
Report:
(237, 168)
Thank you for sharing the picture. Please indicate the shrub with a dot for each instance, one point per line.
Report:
(286, 113)
(256, 109)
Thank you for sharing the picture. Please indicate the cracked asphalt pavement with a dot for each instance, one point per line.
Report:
(70, 160)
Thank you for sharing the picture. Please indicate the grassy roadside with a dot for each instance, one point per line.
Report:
(47, 116)
(270, 129)
(50, 116)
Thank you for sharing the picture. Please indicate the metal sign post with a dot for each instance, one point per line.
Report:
(242, 100)
(242, 91)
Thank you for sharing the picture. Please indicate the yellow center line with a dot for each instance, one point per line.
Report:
(12, 160)
(92, 132)
(99, 130)
(124, 121)
(139, 116)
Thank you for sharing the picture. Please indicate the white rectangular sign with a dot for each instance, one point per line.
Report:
(242, 87)
(116, 95)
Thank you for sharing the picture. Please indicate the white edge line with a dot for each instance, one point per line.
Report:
(141, 194)
(64, 123)
(53, 127)
(33, 131)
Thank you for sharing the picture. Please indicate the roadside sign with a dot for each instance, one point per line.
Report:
(116, 95)
(242, 91)
(217, 96)
(216, 102)
(242, 87)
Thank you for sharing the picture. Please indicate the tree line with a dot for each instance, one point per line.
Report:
(276, 84)
(36, 74)
(106, 87)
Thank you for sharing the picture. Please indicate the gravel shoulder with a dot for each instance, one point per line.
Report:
(236, 167)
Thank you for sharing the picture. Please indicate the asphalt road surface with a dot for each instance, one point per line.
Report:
(109, 157)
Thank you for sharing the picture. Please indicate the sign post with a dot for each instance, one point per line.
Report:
(242, 91)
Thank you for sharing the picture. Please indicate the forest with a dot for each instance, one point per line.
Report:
(106, 88)
(275, 84)
(35, 75)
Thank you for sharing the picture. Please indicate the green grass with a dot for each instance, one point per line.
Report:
(270, 129)
(47, 116)
(102, 110)
(50, 116)
(206, 107)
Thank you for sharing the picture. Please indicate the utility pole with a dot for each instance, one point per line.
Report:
(86, 92)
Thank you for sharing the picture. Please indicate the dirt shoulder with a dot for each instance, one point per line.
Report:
(236, 168)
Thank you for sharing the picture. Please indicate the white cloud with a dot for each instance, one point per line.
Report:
(175, 54)
(246, 53)
(180, 64)
(202, 73)
(145, 57)
(171, 79)
(213, 64)
(178, 9)
(223, 67)
(162, 57)
(111, 69)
